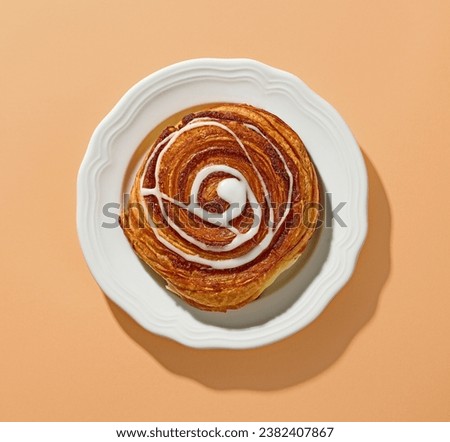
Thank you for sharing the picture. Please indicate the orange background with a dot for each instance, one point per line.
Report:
(380, 351)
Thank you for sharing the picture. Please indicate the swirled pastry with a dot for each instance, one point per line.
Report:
(222, 204)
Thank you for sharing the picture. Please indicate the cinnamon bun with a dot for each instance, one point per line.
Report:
(223, 203)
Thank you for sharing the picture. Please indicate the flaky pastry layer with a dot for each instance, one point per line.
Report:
(233, 151)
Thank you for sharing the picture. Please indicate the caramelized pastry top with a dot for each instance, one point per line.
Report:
(223, 203)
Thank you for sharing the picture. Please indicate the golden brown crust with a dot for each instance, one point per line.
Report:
(199, 284)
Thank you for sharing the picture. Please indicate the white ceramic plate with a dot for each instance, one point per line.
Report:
(300, 294)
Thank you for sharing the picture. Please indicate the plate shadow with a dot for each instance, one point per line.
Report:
(304, 354)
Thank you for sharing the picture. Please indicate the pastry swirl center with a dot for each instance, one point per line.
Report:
(233, 189)
(233, 192)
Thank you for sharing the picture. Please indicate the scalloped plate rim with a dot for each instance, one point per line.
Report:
(233, 339)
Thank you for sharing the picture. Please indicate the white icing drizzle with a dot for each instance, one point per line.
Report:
(236, 191)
